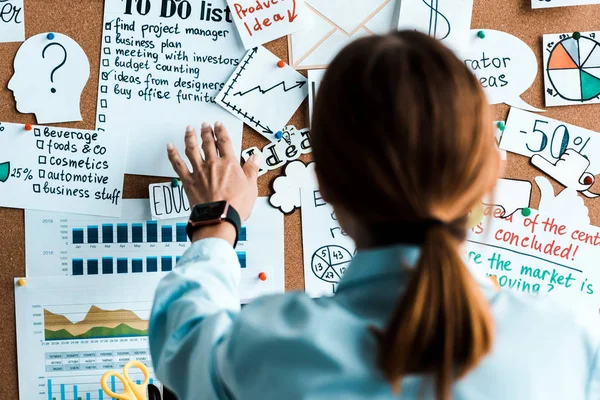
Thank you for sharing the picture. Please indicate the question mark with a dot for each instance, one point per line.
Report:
(53, 90)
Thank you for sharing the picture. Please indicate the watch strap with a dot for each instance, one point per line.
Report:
(231, 216)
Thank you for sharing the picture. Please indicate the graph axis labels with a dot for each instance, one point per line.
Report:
(573, 75)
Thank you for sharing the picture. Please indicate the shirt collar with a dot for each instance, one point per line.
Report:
(396, 261)
(380, 262)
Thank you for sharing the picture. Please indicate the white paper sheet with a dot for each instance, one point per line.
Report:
(335, 23)
(51, 71)
(561, 3)
(147, 58)
(260, 21)
(565, 204)
(571, 69)
(505, 66)
(72, 245)
(511, 195)
(275, 155)
(314, 81)
(498, 133)
(531, 134)
(446, 20)
(541, 255)
(51, 361)
(61, 169)
(12, 21)
(168, 201)
(327, 249)
(262, 94)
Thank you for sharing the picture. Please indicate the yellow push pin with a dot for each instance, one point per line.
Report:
(21, 282)
(476, 216)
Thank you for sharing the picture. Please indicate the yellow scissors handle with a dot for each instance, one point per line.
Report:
(139, 390)
(127, 394)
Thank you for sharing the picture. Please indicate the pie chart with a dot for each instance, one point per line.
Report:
(574, 69)
(329, 263)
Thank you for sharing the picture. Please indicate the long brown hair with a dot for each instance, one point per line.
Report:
(402, 137)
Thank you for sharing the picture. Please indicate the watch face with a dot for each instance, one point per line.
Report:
(209, 211)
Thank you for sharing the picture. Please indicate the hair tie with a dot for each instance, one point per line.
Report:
(414, 232)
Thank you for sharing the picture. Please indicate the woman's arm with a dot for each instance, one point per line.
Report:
(197, 303)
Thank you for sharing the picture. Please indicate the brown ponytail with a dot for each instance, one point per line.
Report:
(442, 325)
(401, 135)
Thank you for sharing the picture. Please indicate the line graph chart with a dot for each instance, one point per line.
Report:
(277, 85)
(262, 94)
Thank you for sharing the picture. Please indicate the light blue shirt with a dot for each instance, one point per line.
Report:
(291, 347)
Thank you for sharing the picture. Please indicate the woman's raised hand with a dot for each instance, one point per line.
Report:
(218, 175)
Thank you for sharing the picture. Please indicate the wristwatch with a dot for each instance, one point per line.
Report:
(213, 214)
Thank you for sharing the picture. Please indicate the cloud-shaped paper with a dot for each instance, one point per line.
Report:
(287, 187)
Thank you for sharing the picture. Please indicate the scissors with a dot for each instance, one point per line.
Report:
(131, 390)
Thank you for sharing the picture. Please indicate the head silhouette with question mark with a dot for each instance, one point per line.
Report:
(51, 71)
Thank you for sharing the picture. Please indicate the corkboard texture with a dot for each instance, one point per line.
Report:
(82, 20)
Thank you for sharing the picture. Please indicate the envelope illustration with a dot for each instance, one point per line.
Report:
(335, 23)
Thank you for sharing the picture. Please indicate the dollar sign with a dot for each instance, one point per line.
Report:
(434, 20)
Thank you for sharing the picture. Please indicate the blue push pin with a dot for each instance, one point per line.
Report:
(278, 135)
(50, 36)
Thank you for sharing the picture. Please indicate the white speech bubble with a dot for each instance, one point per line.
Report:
(504, 65)
(511, 195)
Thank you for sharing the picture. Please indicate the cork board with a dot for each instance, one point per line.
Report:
(82, 20)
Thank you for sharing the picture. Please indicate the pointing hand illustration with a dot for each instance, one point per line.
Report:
(570, 171)
(567, 203)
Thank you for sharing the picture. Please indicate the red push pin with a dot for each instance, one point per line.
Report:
(28, 127)
(262, 276)
(588, 180)
(281, 64)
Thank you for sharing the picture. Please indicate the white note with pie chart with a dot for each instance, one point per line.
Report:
(572, 68)
(327, 249)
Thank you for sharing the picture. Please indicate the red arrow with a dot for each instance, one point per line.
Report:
(292, 15)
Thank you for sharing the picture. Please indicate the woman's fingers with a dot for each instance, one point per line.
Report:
(208, 142)
(177, 162)
(191, 148)
(251, 168)
(224, 143)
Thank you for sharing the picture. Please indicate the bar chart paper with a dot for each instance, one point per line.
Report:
(80, 245)
(70, 330)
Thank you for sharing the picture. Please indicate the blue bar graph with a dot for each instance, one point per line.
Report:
(49, 389)
(167, 233)
(107, 233)
(242, 235)
(177, 259)
(62, 391)
(75, 392)
(78, 266)
(122, 266)
(242, 258)
(137, 233)
(107, 265)
(88, 396)
(151, 231)
(92, 234)
(122, 235)
(92, 267)
(100, 394)
(166, 263)
(113, 384)
(137, 265)
(151, 264)
(181, 233)
(151, 381)
(77, 236)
